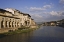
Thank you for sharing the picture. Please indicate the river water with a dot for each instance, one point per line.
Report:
(43, 34)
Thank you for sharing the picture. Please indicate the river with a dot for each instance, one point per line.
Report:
(43, 34)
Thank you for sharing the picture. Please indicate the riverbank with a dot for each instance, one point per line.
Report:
(18, 31)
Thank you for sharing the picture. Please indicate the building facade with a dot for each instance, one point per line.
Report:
(12, 19)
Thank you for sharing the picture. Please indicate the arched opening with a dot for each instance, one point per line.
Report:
(25, 22)
(9, 24)
(2, 26)
(6, 23)
(12, 24)
(15, 24)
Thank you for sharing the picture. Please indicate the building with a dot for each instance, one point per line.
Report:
(60, 23)
(53, 23)
(24, 17)
(12, 19)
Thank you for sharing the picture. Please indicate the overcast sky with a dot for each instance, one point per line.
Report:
(40, 10)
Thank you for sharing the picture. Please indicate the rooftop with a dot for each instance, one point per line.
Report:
(3, 11)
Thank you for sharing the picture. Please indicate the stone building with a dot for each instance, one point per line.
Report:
(8, 21)
(12, 19)
(25, 19)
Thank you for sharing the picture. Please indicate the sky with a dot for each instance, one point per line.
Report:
(40, 10)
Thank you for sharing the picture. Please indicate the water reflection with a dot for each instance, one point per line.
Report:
(44, 34)
(17, 38)
(49, 34)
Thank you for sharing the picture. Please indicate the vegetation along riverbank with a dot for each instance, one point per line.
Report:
(20, 30)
